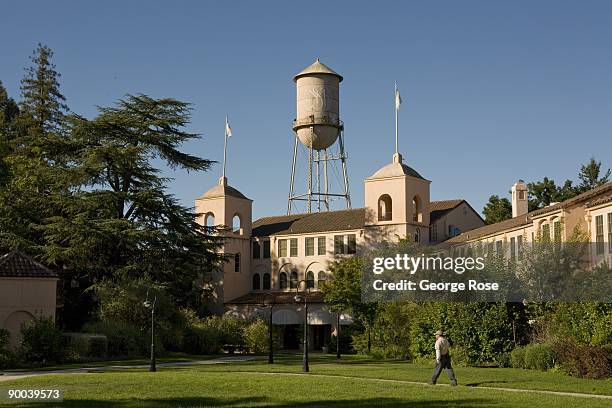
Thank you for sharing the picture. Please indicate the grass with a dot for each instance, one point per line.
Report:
(251, 384)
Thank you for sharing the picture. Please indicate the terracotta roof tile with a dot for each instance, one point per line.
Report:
(15, 264)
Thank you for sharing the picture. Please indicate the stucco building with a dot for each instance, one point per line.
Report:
(27, 290)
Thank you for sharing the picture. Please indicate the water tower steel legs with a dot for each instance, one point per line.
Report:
(315, 157)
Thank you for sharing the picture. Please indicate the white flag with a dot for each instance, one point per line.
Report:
(228, 129)
(398, 98)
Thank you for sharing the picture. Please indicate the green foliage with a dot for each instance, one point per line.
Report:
(123, 339)
(40, 341)
(539, 357)
(517, 357)
(83, 346)
(497, 209)
(256, 336)
(7, 358)
(590, 176)
(588, 323)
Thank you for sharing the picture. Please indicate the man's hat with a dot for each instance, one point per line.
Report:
(439, 333)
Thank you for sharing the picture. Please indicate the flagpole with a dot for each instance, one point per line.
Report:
(396, 120)
(225, 146)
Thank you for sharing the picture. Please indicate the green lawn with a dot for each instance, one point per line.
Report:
(251, 384)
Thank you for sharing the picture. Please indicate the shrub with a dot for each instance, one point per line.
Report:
(7, 358)
(256, 336)
(539, 357)
(41, 341)
(123, 340)
(198, 338)
(82, 346)
(517, 357)
(584, 361)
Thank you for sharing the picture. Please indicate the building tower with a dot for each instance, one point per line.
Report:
(318, 128)
(519, 199)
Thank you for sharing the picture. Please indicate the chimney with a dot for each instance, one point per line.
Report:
(519, 199)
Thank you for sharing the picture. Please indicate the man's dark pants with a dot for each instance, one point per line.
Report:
(445, 362)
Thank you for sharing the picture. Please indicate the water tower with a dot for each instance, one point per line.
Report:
(320, 133)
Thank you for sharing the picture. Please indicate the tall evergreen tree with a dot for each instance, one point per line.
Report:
(124, 224)
(590, 176)
(8, 111)
(42, 101)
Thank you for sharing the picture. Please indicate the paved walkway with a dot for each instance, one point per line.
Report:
(237, 359)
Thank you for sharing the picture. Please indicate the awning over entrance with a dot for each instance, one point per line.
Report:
(286, 316)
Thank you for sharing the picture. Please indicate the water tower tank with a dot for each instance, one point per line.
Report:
(317, 121)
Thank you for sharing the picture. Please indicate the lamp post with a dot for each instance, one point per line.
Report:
(151, 305)
(269, 302)
(298, 299)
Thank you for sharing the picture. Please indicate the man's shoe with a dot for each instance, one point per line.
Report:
(431, 383)
(454, 384)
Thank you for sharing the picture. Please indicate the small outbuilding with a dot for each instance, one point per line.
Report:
(27, 289)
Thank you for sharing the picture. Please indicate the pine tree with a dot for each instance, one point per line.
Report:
(42, 101)
(589, 176)
(497, 210)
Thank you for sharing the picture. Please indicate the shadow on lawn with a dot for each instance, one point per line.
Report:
(258, 401)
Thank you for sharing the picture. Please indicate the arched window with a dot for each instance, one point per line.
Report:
(418, 211)
(320, 278)
(237, 263)
(282, 280)
(310, 279)
(417, 235)
(256, 282)
(293, 281)
(266, 281)
(209, 220)
(385, 208)
(236, 224)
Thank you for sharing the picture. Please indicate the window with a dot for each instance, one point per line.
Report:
(385, 208)
(599, 235)
(236, 224)
(352, 244)
(417, 235)
(557, 231)
(310, 279)
(512, 248)
(209, 220)
(610, 232)
(339, 244)
(521, 195)
(282, 248)
(321, 246)
(266, 281)
(293, 282)
(293, 248)
(266, 249)
(546, 233)
(310, 250)
(282, 279)
(417, 216)
(237, 263)
(519, 246)
(498, 247)
(433, 232)
(256, 282)
(256, 250)
(320, 278)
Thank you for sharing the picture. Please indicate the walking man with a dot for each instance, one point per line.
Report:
(443, 359)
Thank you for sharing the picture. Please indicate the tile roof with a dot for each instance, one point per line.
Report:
(317, 67)
(257, 298)
(598, 195)
(16, 264)
(313, 222)
(437, 209)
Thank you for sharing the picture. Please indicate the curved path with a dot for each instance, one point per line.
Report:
(238, 359)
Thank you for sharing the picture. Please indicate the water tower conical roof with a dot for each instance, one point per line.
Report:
(317, 68)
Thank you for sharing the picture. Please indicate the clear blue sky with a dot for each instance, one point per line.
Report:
(493, 91)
